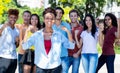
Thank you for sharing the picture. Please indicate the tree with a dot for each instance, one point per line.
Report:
(3, 8)
(94, 7)
(7, 4)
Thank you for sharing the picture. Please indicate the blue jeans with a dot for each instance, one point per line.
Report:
(20, 65)
(8, 65)
(89, 62)
(109, 60)
(65, 64)
(75, 62)
(54, 70)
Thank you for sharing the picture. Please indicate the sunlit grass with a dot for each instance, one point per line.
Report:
(117, 49)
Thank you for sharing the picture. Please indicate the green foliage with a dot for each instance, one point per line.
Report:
(117, 49)
(33, 10)
(3, 7)
(99, 48)
(83, 6)
(14, 5)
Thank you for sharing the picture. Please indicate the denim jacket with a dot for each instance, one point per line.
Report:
(52, 59)
(64, 51)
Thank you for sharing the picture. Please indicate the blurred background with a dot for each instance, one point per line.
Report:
(98, 8)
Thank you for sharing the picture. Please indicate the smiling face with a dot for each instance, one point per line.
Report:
(49, 19)
(12, 19)
(59, 14)
(34, 20)
(108, 21)
(26, 17)
(73, 17)
(88, 22)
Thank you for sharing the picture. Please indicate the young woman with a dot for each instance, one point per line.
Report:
(89, 54)
(28, 63)
(110, 34)
(47, 43)
(74, 55)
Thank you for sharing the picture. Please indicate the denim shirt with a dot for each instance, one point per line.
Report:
(64, 51)
(52, 59)
(7, 43)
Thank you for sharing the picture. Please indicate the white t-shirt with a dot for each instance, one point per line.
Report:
(7, 40)
(89, 42)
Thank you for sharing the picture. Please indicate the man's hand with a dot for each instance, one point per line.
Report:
(75, 55)
(76, 33)
(3, 27)
(64, 28)
(17, 41)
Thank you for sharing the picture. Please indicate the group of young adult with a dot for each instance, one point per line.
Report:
(58, 45)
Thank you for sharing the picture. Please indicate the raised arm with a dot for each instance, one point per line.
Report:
(68, 33)
(26, 34)
(118, 30)
(2, 28)
(101, 38)
(27, 43)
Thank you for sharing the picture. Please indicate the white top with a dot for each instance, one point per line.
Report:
(7, 43)
(52, 59)
(89, 42)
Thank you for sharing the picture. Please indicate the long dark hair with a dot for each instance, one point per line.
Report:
(114, 21)
(38, 25)
(93, 30)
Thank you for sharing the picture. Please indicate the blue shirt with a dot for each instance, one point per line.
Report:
(52, 59)
(7, 43)
(64, 51)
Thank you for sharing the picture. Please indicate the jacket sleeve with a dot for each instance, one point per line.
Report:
(30, 42)
(66, 43)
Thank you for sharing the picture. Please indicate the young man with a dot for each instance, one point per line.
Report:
(9, 37)
(74, 55)
(23, 28)
(58, 25)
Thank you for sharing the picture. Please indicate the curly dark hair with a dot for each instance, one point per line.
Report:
(13, 12)
(48, 10)
(94, 29)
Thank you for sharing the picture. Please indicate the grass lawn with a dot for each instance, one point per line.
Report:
(117, 49)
